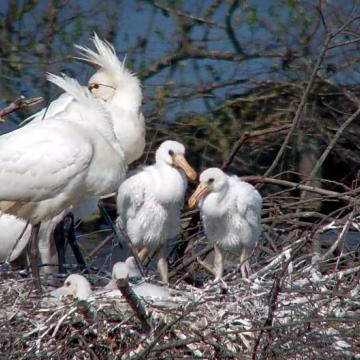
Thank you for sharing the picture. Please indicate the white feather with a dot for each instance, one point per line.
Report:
(47, 166)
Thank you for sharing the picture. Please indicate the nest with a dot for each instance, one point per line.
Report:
(289, 309)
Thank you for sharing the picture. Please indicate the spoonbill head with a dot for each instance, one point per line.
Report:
(173, 153)
(121, 91)
(75, 285)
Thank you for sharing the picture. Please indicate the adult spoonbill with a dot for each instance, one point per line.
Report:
(231, 213)
(47, 166)
(118, 88)
(149, 202)
(121, 92)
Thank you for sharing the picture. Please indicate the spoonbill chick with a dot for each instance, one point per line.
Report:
(149, 202)
(142, 288)
(231, 213)
(75, 285)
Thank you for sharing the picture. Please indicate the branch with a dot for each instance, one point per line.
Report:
(248, 135)
(192, 53)
(229, 29)
(19, 103)
(302, 104)
(333, 142)
(290, 184)
(135, 303)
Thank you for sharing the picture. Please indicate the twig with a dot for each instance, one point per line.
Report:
(18, 104)
(160, 331)
(302, 104)
(206, 266)
(101, 245)
(290, 184)
(62, 320)
(339, 239)
(332, 143)
(134, 302)
(189, 261)
(248, 135)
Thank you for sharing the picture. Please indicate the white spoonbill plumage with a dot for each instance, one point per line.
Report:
(47, 166)
(11, 229)
(149, 202)
(121, 91)
(142, 288)
(79, 287)
(231, 213)
(75, 285)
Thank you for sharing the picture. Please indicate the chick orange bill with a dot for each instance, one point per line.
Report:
(200, 191)
(180, 162)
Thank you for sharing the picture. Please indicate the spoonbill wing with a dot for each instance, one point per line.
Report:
(131, 196)
(38, 161)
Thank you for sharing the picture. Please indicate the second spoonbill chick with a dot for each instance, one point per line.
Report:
(76, 285)
(129, 269)
(231, 213)
(149, 202)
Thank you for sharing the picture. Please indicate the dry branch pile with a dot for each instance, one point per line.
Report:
(298, 304)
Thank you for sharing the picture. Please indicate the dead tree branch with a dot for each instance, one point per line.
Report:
(18, 104)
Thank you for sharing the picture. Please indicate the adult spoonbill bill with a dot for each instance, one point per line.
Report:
(149, 202)
(231, 213)
(47, 166)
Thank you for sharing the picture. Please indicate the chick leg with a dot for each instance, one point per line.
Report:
(245, 263)
(143, 253)
(218, 263)
(162, 264)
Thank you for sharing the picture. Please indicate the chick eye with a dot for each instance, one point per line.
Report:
(67, 283)
(211, 180)
(95, 86)
(171, 153)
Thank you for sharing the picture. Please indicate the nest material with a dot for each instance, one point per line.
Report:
(289, 310)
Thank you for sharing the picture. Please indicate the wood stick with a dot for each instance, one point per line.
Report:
(269, 180)
(134, 302)
(18, 104)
